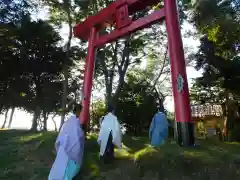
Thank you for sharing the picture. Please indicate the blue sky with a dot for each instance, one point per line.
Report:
(22, 119)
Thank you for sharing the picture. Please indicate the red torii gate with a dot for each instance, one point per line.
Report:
(117, 14)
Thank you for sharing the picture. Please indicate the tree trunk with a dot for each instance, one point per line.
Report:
(37, 111)
(11, 118)
(1, 108)
(109, 74)
(123, 67)
(120, 84)
(5, 120)
(45, 118)
(35, 119)
(108, 96)
(64, 95)
(54, 122)
(224, 110)
(65, 70)
(229, 120)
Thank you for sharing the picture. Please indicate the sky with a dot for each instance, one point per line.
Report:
(22, 120)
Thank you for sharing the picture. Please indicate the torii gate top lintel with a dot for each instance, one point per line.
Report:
(117, 14)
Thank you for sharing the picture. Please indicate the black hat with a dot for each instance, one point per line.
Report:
(77, 107)
(161, 108)
(110, 108)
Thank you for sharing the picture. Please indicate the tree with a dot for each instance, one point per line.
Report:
(219, 22)
(11, 13)
(31, 50)
(107, 60)
(98, 110)
(5, 120)
(62, 12)
(40, 60)
(11, 117)
(136, 105)
(219, 83)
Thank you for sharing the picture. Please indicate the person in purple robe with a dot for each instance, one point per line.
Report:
(69, 147)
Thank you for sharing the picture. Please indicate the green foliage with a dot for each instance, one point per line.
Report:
(31, 63)
(12, 11)
(11, 84)
(219, 21)
(97, 111)
(40, 58)
(136, 105)
(217, 56)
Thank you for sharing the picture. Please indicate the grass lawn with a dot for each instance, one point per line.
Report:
(29, 156)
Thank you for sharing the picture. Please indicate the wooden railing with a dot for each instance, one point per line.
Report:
(206, 110)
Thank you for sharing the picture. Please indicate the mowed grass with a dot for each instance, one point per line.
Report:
(29, 156)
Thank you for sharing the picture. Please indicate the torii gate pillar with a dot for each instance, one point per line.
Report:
(118, 14)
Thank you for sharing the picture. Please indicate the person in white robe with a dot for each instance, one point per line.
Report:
(100, 121)
(69, 147)
(110, 135)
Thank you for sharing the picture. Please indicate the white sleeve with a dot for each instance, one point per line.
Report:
(118, 134)
(61, 135)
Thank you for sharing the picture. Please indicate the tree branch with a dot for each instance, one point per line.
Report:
(164, 78)
(124, 54)
(137, 59)
(161, 71)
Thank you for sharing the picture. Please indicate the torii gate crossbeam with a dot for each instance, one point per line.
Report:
(118, 15)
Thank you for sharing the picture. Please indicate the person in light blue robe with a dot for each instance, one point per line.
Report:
(158, 131)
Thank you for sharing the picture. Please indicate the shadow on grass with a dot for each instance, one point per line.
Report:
(93, 168)
(135, 144)
(167, 162)
(27, 155)
(8, 135)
